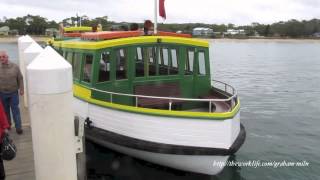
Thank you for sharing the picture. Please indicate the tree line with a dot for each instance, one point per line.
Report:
(292, 28)
(36, 25)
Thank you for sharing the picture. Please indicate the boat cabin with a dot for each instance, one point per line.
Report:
(149, 66)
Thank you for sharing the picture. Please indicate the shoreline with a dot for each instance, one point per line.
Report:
(311, 40)
(14, 39)
(266, 40)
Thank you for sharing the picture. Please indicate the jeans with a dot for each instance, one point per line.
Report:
(11, 101)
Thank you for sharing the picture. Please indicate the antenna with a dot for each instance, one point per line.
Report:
(76, 24)
(79, 19)
(155, 17)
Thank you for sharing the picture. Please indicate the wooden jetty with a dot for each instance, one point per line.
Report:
(22, 167)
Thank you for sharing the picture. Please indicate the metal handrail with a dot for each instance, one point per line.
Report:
(137, 96)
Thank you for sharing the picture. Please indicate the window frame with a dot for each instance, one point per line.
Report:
(187, 67)
(126, 64)
(137, 60)
(161, 61)
(110, 66)
(77, 76)
(176, 49)
(82, 69)
(204, 62)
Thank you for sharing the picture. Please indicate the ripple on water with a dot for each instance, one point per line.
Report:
(279, 87)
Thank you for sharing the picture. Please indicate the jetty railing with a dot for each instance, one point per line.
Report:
(220, 87)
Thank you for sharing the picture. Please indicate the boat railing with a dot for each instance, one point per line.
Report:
(221, 87)
(226, 88)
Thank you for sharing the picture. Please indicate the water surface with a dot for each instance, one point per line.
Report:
(279, 87)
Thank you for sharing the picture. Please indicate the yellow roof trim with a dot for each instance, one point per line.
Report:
(79, 28)
(91, 45)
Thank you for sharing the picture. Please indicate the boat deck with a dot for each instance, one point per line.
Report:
(173, 90)
(167, 96)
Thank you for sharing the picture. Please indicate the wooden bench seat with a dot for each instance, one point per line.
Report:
(159, 90)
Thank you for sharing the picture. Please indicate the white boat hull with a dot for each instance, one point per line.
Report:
(187, 144)
(190, 163)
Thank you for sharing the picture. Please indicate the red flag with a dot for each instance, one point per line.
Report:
(162, 10)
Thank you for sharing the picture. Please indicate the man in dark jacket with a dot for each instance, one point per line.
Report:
(11, 81)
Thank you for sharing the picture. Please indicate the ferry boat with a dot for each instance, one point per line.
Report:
(152, 97)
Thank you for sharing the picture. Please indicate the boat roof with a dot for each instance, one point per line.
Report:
(78, 43)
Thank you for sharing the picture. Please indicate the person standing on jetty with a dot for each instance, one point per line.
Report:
(4, 125)
(11, 81)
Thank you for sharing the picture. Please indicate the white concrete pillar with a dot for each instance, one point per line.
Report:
(49, 79)
(29, 54)
(23, 43)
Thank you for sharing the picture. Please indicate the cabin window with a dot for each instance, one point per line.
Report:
(189, 62)
(65, 54)
(87, 68)
(174, 62)
(202, 63)
(68, 56)
(139, 54)
(121, 64)
(104, 67)
(151, 59)
(165, 56)
(139, 63)
(164, 61)
(146, 61)
(76, 65)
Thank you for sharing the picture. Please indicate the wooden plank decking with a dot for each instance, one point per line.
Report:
(22, 167)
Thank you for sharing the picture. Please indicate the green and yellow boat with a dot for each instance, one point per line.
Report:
(152, 97)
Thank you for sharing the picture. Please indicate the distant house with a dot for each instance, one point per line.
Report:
(316, 35)
(14, 32)
(85, 17)
(29, 20)
(235, 32)
(202, 31)
(4, 31)
(52, 32)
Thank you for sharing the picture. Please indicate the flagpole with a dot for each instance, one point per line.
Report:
(155, 17)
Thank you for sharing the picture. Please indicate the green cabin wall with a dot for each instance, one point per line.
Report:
(191, 86)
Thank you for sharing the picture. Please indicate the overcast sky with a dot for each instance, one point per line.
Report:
(239, 12)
